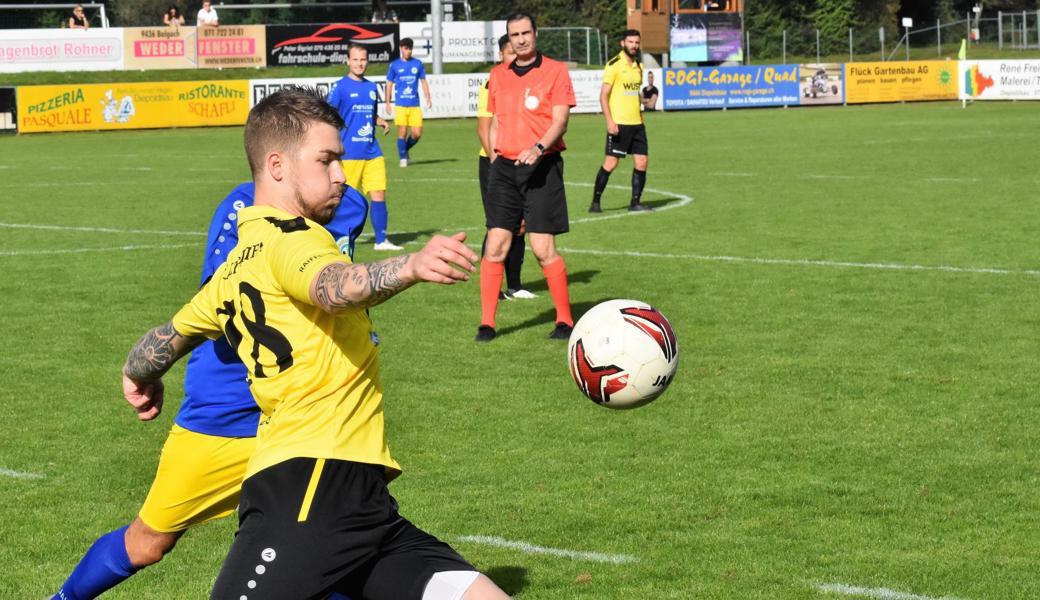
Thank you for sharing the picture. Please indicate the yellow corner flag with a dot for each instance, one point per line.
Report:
(963, 54)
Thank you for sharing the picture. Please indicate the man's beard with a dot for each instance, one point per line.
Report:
(321, 215)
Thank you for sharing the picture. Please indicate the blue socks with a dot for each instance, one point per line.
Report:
(404, 145)
(103, 567)
(379, 220)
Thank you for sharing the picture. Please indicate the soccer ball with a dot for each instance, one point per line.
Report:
(623, 353)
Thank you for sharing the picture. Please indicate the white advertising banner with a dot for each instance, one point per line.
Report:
(999, 79)
(61, 50)
(462, 41)
(454, 95)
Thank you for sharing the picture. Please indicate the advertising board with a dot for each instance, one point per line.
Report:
(110, 106)
(730, 87)
(61, 50)
(326, 44)
(230, 46)
(159, 48)
(999, 79)
(903, 81)
(705, 37)
(461, 41)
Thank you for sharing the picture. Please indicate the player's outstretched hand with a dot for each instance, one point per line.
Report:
(444, 260)
(145, 397)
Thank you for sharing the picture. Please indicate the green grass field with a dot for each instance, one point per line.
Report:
(855, 295)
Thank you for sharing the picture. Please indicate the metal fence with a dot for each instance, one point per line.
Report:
(583, 45)
(1008, 30)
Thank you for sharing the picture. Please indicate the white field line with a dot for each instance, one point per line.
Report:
(153, 182)
(878, 593)
(100, 229)
(803, 262)
(838, 176)
(107, 249)
(20, 474)
(683, 200)
(527, 548)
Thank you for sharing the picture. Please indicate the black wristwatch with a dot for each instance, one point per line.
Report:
(541, 148)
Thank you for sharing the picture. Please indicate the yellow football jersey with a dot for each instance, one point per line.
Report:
(625, 81)
(482, 111)
(314, 375)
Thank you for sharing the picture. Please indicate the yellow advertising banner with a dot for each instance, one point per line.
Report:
(233, 46)
(900, 81)
(107, 106)
(159, 48)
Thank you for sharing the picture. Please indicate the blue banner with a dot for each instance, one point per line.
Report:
(730, 87)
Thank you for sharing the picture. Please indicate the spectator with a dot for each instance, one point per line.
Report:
(78, 20)
(207, 15)
(173, 17)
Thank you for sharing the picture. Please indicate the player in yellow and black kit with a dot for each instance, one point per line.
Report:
(316, 516)
(626, 133)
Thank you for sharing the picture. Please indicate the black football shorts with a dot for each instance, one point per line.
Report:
(631, 139)
(533, 193)
(309, 527)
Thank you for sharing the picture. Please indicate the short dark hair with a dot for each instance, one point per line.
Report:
(520, 16)
(503, 41)
(630, 33)
(406, 43)
(281, 120)
(356, 47)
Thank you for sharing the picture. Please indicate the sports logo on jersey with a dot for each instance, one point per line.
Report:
(530, 102)
(372, 94)
(414, 70)
(365, 131)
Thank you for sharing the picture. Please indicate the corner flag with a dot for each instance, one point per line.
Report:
(963, 54)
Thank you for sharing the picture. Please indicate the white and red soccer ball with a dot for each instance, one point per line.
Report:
(623, 353)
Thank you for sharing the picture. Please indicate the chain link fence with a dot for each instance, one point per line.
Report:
(1006, 31)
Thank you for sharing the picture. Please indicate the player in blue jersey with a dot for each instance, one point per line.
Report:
(357, 100)
(199, 476)
(404, 76)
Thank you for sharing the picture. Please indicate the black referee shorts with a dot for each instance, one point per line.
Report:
(483, 167)
(309, 527)
(533, 193)
(631, 139)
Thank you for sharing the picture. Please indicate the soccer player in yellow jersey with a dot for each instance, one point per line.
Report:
(626, 133)
(315, 515)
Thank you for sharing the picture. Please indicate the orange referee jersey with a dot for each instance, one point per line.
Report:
(522, 104)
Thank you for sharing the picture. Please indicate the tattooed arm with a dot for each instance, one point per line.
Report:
(149, 359)
(342, 286)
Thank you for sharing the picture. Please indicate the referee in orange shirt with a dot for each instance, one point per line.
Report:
(531, 100)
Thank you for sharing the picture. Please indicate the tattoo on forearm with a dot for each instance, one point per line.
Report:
(342, 286)
(156, 352)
